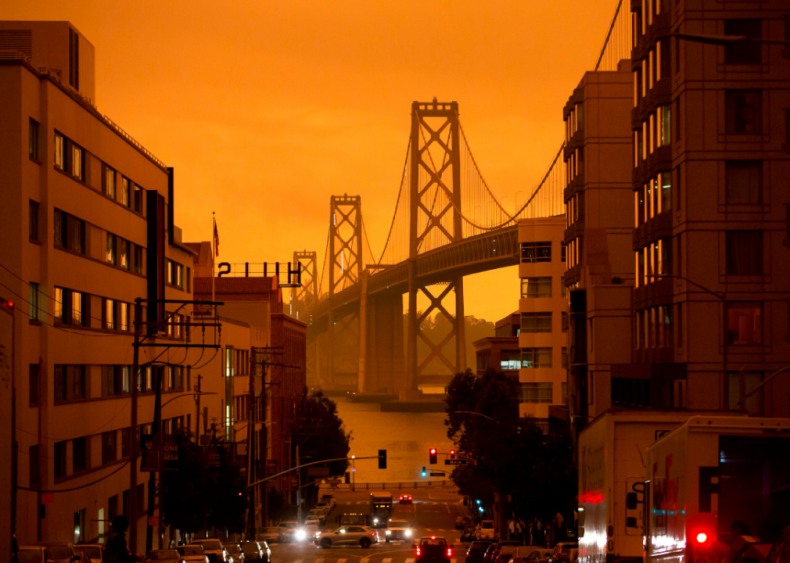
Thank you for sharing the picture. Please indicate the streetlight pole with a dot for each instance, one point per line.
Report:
(725, 334)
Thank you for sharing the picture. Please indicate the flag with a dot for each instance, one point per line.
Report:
(216, 238)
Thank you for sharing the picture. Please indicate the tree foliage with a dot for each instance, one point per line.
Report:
(510, 454)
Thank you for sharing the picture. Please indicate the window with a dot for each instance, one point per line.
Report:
(665, 125)
(32, 456)
(79, 454)
(77, 309)
(77, 162)
(743, 112)
(563, 246)
(126, 503)
(536, 392)
(536, 322)
(33, 221)
(112, 251)
(137, 198)
(60, 152)
(33, 301)
(564, 321)
(125, 192)
(744, 179)
(109, 314)
(744, 323)
(509, 359)
(536, 358)
(564, 361)
(743, 52)
(175, 274)
(536, 287)
(628, 392)
(109, 182)
(69, 382)
(112, 507)
(536, 251)
(32, 139)
(744, 253)
(138, 258)
(71, 307)
(108, 452)
(754, 404)
(60, 459)
(69, 232)
(110, 380)
(125, 445)
(123, 316)
(126, 379)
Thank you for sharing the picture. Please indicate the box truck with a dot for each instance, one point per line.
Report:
(612, 464)
(717, 489)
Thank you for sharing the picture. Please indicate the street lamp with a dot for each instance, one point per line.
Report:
(725, 333)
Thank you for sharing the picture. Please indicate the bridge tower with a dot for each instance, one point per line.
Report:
(345, 269)
(435, 176)
(304, 298)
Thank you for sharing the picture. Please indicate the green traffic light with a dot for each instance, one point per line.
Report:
(424, 473)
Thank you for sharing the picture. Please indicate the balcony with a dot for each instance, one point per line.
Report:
(658, 292)
(575, 230)
(572, 275)
(654, 229)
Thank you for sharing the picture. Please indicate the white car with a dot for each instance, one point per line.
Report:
(329, 499)
(397, 530)
(307, 532)
(485, 530)
(317, 514)
(362, 536)
(192, 553)
(91, 551)
(325, 506)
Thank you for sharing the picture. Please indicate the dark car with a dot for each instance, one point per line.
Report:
(433, 550)
(406, 499)
(477, 551)
(468, 535)
(505, 551)
(254, 552)
(192, 553)
(530, 554)
(462, 522)
(61, 552)
(562, 552)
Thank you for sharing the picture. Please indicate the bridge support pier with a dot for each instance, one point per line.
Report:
(381, 362)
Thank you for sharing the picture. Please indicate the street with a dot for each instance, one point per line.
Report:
(433, 514)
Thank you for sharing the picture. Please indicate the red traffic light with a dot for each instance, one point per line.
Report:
(432, 456)
(433, 450)
(702, 537)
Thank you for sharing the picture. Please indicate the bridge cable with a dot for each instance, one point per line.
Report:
(397, 202)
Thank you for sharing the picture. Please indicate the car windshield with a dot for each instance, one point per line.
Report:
(249, 547)
(507, 549)
(58, 551)
(30, 556)
(397, 524)
(163, 554)
(92, 551)
(190, 550)
(232, 548)
(479, 545)
(433, 541)
(210, 544)
(487, 525)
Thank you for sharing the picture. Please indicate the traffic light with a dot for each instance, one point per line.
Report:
(432, 455)
(452, 454)
(423, 473)
(382, 459)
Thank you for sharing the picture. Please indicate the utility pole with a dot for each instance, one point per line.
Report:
(197, 416)
(157, 442)
(251, 525)
(298, 489)
(135, 434)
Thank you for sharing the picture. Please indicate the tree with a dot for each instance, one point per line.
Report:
(321, 435)
(510, 454)
(185, 503)
(227, 495)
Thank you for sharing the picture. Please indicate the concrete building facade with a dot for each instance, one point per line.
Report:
(542, 336)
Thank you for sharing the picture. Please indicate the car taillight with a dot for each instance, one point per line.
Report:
(449, 552)
(702, 537)
(418, 551)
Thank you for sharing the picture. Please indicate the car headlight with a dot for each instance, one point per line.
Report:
(300, 534)
(408, 533)
(387, 532)
(375, 520)
(317, 534)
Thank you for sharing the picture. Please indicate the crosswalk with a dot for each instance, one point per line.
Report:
(394, 558)
(416, 502)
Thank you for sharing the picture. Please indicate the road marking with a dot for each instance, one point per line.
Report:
(447, 506)
(298, 561)
(338, 561)
(453, 560)
(363, 560)
(319, 560)
(428, 530)
(440, 529)
(410, 560)
(386, 560)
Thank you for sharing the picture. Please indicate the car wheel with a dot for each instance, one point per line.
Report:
(364, 543)
(326, 543)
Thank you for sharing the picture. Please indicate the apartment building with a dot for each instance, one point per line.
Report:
(542, 336)
(501, 352)
(97, 209)
(712, 207)
(598, 237)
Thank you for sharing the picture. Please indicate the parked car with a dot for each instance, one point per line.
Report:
(329, 499)
(192, 553)
(562, 552)
(477, 550)
(254, 552)
(34, 554)
(288, 531)
(462, 522)
(234, 550)
(504, 551)
(406, 499)
(317, 513)
(325, 506)
(485, 530)
(530, 554)
(269, 535)
(60, 552)
(163, 556)
(468, 535)
(93, 551)
(308, 532)
(348, 535)
(397, 530)
(213, 549)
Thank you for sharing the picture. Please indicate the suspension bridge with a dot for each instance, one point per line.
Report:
(447, 224)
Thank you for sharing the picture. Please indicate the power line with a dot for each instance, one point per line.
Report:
(75, 488)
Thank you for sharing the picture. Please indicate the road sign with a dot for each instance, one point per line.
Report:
(437, 474)
(455, 462)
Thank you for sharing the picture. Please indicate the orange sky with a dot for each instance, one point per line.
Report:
(265, 109)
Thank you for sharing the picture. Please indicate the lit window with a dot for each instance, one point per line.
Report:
(744, 323)
(536, 251)
(109, 314)
(110, 182)
(76, 162)
(60, 154)
(536, 287)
